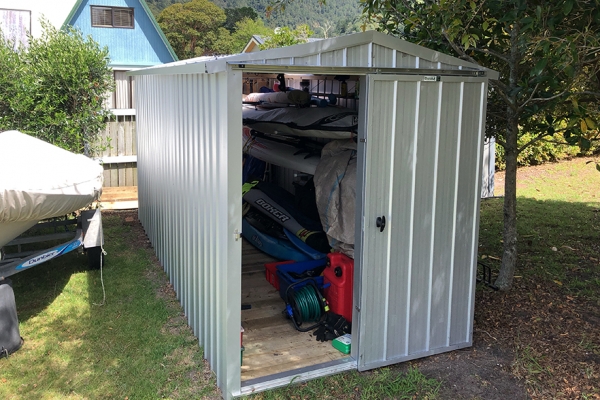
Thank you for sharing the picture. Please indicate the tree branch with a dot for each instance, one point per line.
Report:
(492, 53)
(542, 99)
(532, 141)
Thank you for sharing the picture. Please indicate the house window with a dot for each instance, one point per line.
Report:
(112, 17)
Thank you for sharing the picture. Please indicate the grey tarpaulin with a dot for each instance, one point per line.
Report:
(335, 188)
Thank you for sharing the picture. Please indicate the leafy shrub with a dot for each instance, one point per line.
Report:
(55, 88)
(540, 152)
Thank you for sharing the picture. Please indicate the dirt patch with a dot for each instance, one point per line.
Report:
(480, 372)
(534, 342)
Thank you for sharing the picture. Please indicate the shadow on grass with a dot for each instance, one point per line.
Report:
(36, 288)
(134, 344)
(558, 242)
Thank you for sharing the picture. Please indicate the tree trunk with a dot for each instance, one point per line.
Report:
(509, 254)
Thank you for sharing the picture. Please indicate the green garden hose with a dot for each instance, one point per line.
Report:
(305, 304)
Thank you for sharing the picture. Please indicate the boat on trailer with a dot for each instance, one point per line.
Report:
(39, 182)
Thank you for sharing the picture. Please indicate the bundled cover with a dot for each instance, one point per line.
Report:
(335, 187)
(323, 122)
(39, 181)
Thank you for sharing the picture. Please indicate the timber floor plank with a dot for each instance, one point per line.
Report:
(272, 345)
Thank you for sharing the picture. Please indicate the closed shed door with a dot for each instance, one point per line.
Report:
(422, 158)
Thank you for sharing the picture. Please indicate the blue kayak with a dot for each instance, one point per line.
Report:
(279, 248)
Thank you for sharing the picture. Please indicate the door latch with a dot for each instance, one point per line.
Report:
(380, 222)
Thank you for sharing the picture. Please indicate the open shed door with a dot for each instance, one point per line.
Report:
(420, 207)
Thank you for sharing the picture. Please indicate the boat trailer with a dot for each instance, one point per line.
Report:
(84, 231)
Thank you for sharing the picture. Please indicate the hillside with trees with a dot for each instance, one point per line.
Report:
(333, 18)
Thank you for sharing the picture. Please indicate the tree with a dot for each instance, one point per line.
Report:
(195, 29)
(327, 27)
(235, 15)
(285, 36)
(547, 53)
(55, 89)
(156, 6)
(244, 30)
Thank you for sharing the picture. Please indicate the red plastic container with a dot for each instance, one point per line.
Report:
(339, 273)
(271, 272)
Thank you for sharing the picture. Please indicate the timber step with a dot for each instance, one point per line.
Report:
(119, 198)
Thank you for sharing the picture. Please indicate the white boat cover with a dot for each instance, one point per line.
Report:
(39, 180)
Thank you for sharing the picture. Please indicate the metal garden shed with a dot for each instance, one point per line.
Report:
(421, 120)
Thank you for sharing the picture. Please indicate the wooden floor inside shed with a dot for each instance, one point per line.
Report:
(272, 345)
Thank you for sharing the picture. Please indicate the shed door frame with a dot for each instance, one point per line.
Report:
(384, 331)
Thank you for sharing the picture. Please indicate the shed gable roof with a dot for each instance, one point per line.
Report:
(369, 49)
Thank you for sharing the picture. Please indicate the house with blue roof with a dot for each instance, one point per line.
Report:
(132, 35)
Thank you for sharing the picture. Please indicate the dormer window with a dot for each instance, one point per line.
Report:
(112, 17)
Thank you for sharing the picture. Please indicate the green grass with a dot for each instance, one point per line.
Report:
(383, 383)
(558, 224)
(136, 345)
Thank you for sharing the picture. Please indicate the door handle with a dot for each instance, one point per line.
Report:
(380, 222)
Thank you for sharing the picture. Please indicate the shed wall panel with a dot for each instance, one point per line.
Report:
(188, 195)
(384, 57)
(423, 214)
(426, 64)
(310, 60)
(375, 270)
(332, 58)
(404, 60)
(467, 211)
(400, 213)
(358, 56)
(445, 205)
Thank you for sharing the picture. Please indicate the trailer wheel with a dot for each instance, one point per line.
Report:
(95, 257)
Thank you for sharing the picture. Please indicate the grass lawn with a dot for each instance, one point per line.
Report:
(136, 343)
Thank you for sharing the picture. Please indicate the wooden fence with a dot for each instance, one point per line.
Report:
(120, 157)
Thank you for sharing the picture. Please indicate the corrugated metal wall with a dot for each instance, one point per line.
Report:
(189, 182)
(423, 158)
(15, 25)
